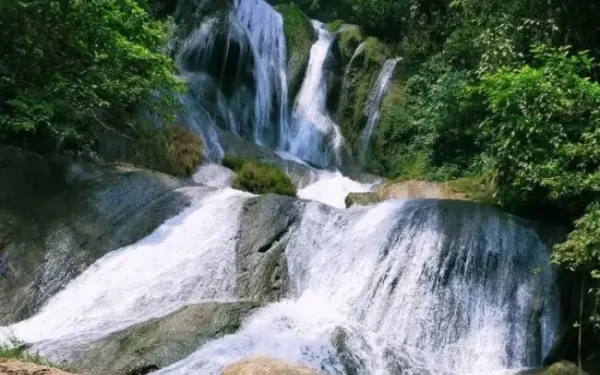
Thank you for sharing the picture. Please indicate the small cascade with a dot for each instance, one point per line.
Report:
(415, 287)
(189, 259)
(237, 74)
(316, 138)
(378, 92)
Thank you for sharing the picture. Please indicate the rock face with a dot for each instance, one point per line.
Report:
(405, 190)
(57, 217)
(161, 342)
(20, 368)
(560, 368)
(265, 228)
(267, 366)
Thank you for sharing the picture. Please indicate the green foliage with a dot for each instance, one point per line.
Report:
(65, 62)
(259, 178)
(297, 27)
(581, 252)
(428, 121)
(544, 127)
(335, 26)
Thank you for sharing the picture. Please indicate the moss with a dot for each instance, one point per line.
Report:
(299, 35)
(357, 87)
(479, 189)
(259, 178)
(175, 150)
(350, 37)
(335, 26)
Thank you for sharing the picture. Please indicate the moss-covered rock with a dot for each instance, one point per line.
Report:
(162, 342)
(300, 36)
(362, 199)
(360, 77)
(348, 39)
(560, 368)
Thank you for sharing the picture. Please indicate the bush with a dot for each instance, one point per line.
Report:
(259, 178)
(174, 150)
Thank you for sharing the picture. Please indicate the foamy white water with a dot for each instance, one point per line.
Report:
(413, 287)
(189, 259)
(214, 175)
(332, 188)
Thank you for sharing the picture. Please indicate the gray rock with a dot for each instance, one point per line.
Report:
(265, 228)
(161, 342)
(57, 217)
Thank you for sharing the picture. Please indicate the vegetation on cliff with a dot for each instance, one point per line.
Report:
(299, 35)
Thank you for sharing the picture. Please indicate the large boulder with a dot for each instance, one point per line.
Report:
(265, 228)
(58, 216)
(267, 366)
(560, 368)
(161, 342)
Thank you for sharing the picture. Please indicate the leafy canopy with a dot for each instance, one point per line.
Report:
(64, 62)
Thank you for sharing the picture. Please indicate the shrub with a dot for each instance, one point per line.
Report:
(259, 178)
(174, 150)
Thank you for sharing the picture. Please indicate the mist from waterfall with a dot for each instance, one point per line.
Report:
(316, 138)
(376, 97)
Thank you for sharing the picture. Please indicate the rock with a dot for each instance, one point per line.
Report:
(161, 342)
(267, 366)
(560, 368)
(59, 216)
(410, 189)
(9, 367)
(301, 173)
(265, 228)
(362, 199)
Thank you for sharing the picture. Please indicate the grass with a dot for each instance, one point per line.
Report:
(259, 178)
(18, 352)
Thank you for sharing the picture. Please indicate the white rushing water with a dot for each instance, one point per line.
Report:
(316, 138)
(416, 287)
(378, 92)
(405, 287)
(189, 259)
(332, 188)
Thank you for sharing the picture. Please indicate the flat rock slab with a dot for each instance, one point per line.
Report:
(267, 366)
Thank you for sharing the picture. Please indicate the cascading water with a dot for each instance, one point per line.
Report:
(245, 69)
(420, 286)
(381, 87)
(316, 138)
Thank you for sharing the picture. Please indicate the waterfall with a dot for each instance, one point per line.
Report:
(238, 77)
(316, 138)
(378, 92)
(418, 286)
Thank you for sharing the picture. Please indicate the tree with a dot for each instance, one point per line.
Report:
(66, 62)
